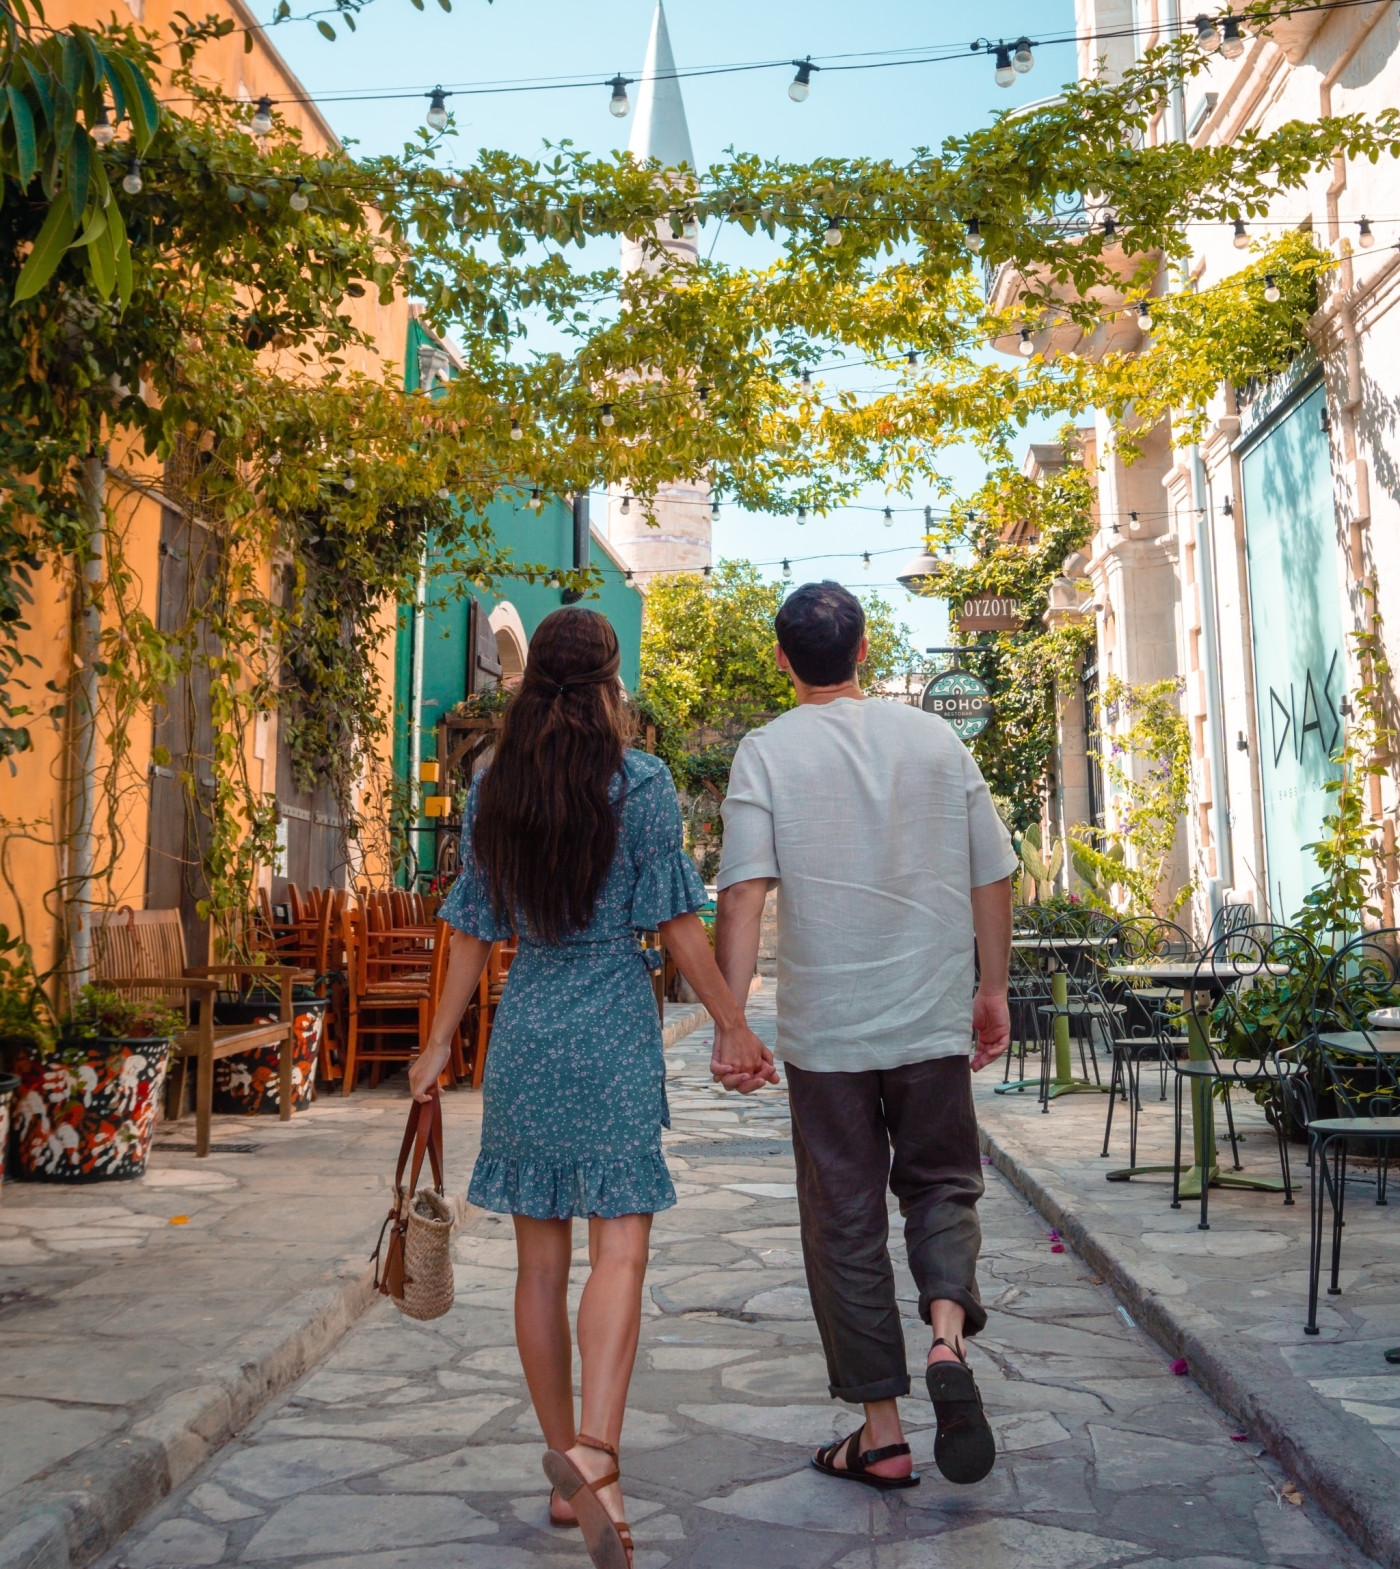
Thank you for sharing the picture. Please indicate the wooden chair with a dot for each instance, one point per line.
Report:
(456, 1070)
(489, 992)
(376, 1003)
(143, 951)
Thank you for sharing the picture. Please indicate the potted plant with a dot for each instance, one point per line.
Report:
(85, 1110)
(23, 1010)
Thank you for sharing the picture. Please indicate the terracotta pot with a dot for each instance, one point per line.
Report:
(249, 1084)
(86, 1111)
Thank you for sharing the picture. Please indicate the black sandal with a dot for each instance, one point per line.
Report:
(965, 1449)
(854, 1469)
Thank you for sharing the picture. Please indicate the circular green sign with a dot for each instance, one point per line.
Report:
(961, 699)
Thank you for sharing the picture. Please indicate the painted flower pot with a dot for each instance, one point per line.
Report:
(249, 1084)
(86, 1111)
(8, 1085)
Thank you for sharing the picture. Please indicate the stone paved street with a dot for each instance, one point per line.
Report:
(415, 1444)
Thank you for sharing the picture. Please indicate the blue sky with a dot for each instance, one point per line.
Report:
(883, 112)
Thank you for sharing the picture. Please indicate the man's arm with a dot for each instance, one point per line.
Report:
(738, 921)
(991, 1018)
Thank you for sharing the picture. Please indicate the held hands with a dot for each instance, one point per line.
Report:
(740, 1060)
(991, 1018)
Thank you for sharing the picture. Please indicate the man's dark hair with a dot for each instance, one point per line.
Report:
(819, 628)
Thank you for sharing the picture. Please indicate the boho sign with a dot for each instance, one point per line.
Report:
(991, 613)
(961, 699)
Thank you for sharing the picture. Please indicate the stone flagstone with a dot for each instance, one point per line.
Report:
(346, 1522)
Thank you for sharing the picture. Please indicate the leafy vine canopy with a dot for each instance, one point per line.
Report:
(209, 302)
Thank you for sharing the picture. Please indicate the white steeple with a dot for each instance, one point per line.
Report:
(680, 541)
(659, 129)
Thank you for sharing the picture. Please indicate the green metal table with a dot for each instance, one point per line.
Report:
(1055, 950)
(1200, 983)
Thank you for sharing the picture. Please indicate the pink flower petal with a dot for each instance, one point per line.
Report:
(1180, 1367)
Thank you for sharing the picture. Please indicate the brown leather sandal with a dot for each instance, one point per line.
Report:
(609, 1541)
(556, 1522)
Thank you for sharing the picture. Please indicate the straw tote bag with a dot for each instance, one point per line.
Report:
(417, 1272)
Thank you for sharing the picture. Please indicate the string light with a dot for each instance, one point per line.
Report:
(1110, 231)
(1271, 289)
(1133, 521)
(261, 123)
(690, 228)
(1364, 235)
(787, 568)
(444, 494)
(536, 501)
(1144, 316)
(806, 378)
(437, 109)
(974, 236)
(102, 130)
(928, 518)
(889, 518)
(626, 506)
(516, 434)
(1023, 60)
(865, 559)
(912, 359)
(299, 201)
(801, 84)
(1241, 238)
(132, 183)
(1228, 507)
(1025, 345)
(1005, 73)
(619, 103)
(801, 514)
(833, 234)
(703, 392)
(607, 416)
(1207, 37)
(714, 507)
(1231, 42)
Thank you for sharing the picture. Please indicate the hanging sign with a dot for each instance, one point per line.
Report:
(991, 613)
(961, 699)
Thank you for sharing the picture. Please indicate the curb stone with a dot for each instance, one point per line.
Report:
(75, 1513)
(1344, 1466)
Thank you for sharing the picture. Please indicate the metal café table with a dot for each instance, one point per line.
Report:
(1384, 1021)
(1057, 949)
(1200, 983)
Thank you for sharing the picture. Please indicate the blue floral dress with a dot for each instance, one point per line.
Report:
(575, 1086)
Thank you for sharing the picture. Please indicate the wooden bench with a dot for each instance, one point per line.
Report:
(143, 952)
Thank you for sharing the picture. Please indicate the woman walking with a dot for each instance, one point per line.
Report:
(575, 843)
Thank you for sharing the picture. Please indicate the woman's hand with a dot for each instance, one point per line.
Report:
(466, 959)
(426, 1069)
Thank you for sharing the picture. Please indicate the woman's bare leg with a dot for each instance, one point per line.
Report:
(543, 1251)
(609, 1323)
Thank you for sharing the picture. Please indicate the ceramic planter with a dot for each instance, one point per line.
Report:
(249, 1084)
(86, 1111)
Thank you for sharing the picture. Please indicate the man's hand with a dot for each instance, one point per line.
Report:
(740, 1061)
(991, 1018)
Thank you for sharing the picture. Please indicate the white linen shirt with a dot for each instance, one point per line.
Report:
(876, 823)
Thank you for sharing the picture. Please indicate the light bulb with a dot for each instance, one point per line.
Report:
(516, 434)
(1231, 42)
(1133, 521)
(133, 182)
(974, 236)
(261, 123)
(801, 84)
(626, 506)
(1023, 60)
(912, 359)
(1025, 345)
(1364, 236)
(703, 393)
(536, 500)
(1005, 73)
(714, 507)
(102, 130)
(1271, 289)
(889, 518)
(607, 416)
(444, 494)
(1144, 317)
(437, 109)
(1241, 238)
(928, 518)
(833, 231)
(691, 227)
(619, 104)
(801, 514)
(787, 567)
(806, 377)
(299, 201)
(1110, 231)
(865, 559)
(348, 482)
(1206, 35)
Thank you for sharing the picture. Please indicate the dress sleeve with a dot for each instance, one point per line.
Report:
(667, 883)
(468, 903)
(750, 850)
(990, 853)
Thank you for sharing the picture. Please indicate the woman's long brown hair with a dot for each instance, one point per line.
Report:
(545, 829)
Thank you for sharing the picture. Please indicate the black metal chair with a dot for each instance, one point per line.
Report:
(1243, 1039)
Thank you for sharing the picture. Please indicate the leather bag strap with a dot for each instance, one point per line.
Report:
(423, 1135)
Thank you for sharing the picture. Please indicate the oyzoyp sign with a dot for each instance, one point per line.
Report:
(990, 613)
(962, 700)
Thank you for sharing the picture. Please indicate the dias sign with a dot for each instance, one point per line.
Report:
(990, 613)
(962, 700)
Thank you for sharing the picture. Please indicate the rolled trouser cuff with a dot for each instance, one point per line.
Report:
(881, 1389)
(976, 1314)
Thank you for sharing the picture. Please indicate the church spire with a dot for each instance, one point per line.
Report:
(659, 130)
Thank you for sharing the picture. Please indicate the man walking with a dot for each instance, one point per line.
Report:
(889, 857)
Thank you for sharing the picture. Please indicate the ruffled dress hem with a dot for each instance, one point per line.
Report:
(545, 1190)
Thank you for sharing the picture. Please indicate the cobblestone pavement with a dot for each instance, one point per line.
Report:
(414, 1445)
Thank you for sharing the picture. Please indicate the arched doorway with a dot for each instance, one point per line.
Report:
(511, 642)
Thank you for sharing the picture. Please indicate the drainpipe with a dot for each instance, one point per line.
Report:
(415, 699)
(89, 650)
